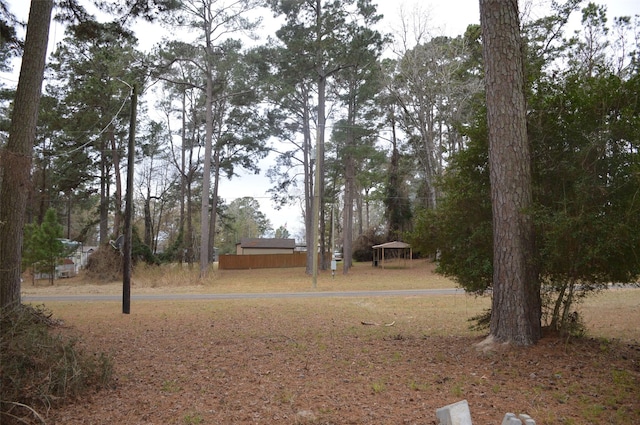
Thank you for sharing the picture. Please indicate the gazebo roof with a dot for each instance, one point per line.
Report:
(394, 244)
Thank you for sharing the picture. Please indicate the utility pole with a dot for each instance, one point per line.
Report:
(128, 210)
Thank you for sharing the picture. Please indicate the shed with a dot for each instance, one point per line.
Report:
(389, 251)
(254, 246)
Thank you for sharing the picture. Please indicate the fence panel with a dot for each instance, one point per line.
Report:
(262, 261)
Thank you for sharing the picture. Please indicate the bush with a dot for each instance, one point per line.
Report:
(363, 246)
(105, 264)
(41, 368)
(140, 251)
(363, 255)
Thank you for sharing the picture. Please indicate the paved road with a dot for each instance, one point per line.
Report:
(243, 296)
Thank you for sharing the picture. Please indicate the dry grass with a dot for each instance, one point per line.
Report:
(438, 315)
(266, 360)
(612, 314)
(184, 279)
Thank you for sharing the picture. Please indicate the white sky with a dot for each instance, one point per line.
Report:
(448, 17)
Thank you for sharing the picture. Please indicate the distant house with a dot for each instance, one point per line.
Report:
(66, 269)
(255, 246)
(81, 256)
(73, 263)
(78, 253)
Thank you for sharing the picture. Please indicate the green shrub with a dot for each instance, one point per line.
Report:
(363, 255)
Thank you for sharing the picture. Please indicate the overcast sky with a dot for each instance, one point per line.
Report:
(448, 17)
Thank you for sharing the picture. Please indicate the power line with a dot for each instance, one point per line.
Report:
(124, 102)
(8, 79)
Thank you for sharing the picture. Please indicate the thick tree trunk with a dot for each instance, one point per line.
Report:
(15, 158)
(516, 305)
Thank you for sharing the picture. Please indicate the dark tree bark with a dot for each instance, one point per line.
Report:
(308, 163)
(115, 158)
(148, 222)
(206, 173)
(347, 223)
(516, 306)
(104, 198)
(16, 158)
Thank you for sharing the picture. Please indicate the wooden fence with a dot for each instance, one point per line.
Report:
(262, 261)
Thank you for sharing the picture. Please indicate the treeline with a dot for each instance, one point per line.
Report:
(218, 103)
(394, 126)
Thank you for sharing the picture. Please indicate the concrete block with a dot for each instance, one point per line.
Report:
(526, 419)
(454, 414)
(511, 419)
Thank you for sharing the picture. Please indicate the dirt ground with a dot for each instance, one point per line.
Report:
(305, 361)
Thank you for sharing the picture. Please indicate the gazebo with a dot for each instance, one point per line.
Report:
(391, 250)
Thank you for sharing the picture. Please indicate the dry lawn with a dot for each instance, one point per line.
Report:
(184, 279)
(312, 361)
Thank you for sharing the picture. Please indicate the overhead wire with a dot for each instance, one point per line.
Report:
(124, 102)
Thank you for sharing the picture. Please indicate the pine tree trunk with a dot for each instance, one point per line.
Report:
(115, 157)
(15, 159)
(349, 186)
(516, 305)
(320, 210)
(183, 172)
(308, 185)
(206, 173)
(148, 221)
(104, 198)
(347, 224)
(213, 218)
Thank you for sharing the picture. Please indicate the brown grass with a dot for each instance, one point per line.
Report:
(311, 360)
(184, 278)
(612, 314)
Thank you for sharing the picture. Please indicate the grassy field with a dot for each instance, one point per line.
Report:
(177, 278)
(339, 360)
(612, 314)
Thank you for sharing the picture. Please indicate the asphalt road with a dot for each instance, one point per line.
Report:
(243, 296)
